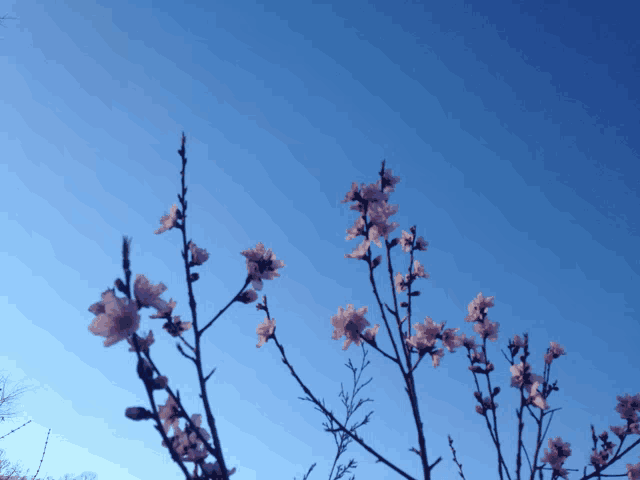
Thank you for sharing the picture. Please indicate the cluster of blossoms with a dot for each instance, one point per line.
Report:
(373, 199)
(350, 323)
(556, 455)
(118, 318)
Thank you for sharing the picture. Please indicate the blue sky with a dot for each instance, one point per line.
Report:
(513, 127)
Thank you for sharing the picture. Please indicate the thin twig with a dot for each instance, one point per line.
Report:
(15, 429)
(45, 449)
(330, 415)
(453, 450)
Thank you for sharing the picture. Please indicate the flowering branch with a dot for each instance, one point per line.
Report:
(192, 304)
(140, 413)
(375, 196)
(118, 319)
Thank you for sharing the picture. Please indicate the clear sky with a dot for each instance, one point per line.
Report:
(513, 128)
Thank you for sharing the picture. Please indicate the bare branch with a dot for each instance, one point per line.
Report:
(7, 398)
(5, 17)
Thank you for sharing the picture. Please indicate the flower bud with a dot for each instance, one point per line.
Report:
(394, 242)
(194, 276)
(248, 297)
(138, 413)
(145, 370)
(496, 391)
(120, 286)
(376, 261)
(421, 244)
(159, 383)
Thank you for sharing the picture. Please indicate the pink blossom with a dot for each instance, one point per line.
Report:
(372, 194)
(261, 265)
(421, 244)
(169, 221)
(148, 295)
(450, 340)
(360, 251)
(198, 255)
(388, 180)
(99, 307)
(429, 328)
(381, 211)
(190, 444)
(265, 330)
(436, 357)
(352, 194)
(187, 445)
(487, 329)
(478, 307)
(406, 241)
(554, 351)
(478, 357)
(176, 327)
(419, 342)
(536, 397)
(426, 335)
(633, 471)
(371, 333)
(556, 456)
(382, 229)
(598, 458)
(119, 318)
(627, 407)
(164, 308)
(169, 414)
(401, 282)
(349, 323)
(619, 431)
(521, 375)
(418, 270)
(357, 229)
(469, 343)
